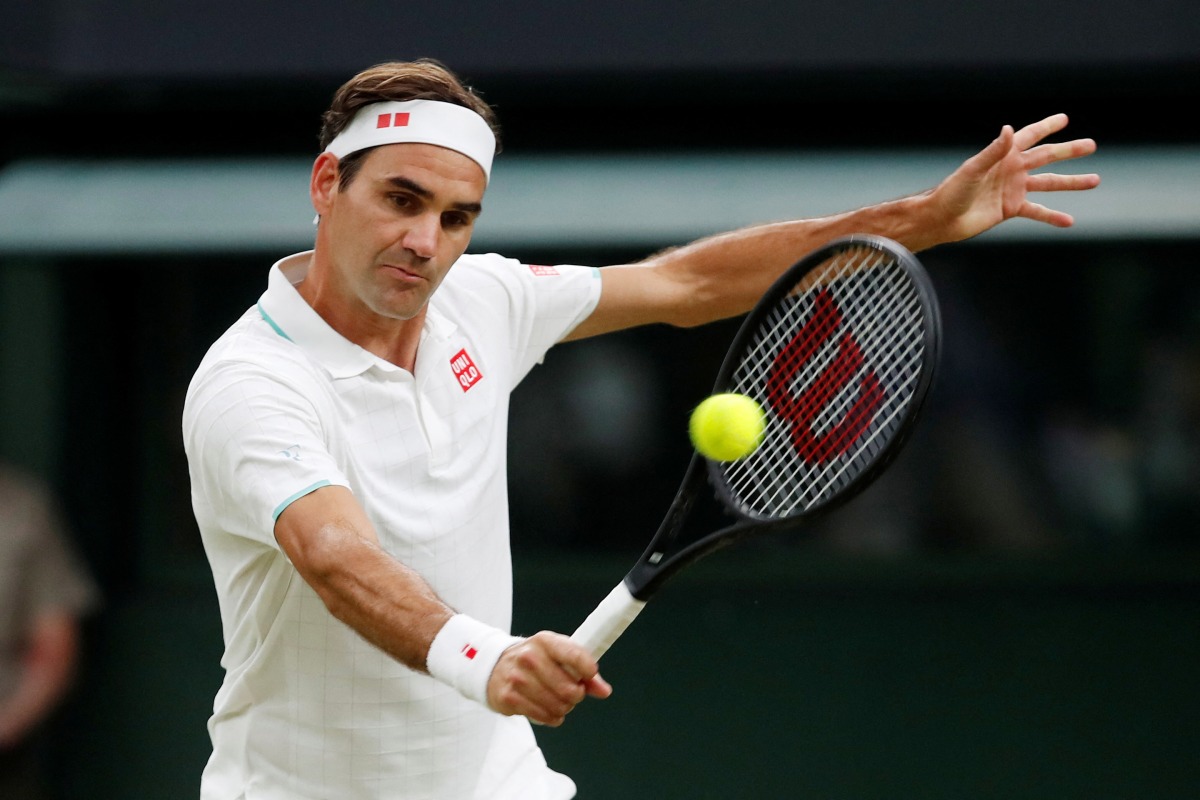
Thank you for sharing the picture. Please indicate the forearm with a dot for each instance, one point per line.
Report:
(47, 671)
(382, 599)
(730, 272)
(724, 275)
(388, 604)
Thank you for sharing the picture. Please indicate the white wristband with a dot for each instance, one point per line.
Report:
(464, 653)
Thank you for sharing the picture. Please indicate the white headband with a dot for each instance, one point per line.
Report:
(422, 121)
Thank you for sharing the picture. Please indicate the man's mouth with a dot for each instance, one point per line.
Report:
(403, 272)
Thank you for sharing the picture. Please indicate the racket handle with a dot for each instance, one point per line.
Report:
(608, 621)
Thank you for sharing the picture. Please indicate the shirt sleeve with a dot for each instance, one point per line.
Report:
(256, 443)
(545, 303)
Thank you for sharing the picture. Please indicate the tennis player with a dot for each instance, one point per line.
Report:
(346, 439)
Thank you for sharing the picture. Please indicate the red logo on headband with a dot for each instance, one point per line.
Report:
(398, 120)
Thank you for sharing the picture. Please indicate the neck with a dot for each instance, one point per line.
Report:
(393, 340)
(398, 345)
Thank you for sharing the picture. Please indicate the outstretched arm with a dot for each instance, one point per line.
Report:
(723, 275)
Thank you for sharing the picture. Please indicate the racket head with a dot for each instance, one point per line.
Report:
(841, 353)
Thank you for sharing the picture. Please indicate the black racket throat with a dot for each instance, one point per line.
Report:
(675, 545)
(841, 353)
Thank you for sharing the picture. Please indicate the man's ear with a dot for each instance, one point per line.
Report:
(323, 184)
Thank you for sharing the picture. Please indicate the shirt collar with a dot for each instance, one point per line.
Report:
(282, 307)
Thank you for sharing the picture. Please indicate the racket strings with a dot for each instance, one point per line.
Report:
(836, 363)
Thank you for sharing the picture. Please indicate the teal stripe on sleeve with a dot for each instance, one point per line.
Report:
(308, 490)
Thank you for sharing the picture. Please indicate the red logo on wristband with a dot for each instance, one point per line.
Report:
(469, 651)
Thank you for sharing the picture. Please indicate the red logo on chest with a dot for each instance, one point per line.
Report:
(542, 269)
(465, 370)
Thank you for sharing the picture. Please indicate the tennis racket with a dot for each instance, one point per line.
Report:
(841, 352)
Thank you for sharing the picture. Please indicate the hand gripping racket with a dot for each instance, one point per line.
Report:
(840, 352)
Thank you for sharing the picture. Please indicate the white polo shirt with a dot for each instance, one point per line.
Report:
(282, 405)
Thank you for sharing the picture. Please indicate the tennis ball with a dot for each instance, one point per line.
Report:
(726, 427)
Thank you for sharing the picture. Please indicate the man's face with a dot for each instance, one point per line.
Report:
(392, 234)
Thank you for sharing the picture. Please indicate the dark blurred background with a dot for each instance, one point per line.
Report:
(1010, 612)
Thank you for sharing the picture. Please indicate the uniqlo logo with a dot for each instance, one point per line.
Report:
(398, 120)
(542, 269)
(465, 370)
(469, 651)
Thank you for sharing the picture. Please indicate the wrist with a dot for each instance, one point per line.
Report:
(920, 222)
(464, 653)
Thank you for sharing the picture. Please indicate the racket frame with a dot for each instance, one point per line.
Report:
(648, 573)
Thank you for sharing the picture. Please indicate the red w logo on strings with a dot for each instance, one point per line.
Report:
(802, 410)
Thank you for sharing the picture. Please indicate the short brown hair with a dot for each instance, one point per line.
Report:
(421, 79)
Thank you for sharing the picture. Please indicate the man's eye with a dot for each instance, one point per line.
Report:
(456, 220)
(402, 200)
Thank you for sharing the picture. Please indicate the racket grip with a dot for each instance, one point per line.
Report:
(608, 621)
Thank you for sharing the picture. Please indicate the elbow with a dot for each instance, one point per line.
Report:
(707, 297)
(321, 559)
(333, 583)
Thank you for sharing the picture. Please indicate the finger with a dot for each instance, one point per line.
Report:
(581, 666)
(525, 693)
(574, 659)
(551, 705)
(553, 714)
(598, 687)
(547, 677)
(979, 164)
(1045, 154)
(1039, 213)
(1036, 131)
(1051, 182)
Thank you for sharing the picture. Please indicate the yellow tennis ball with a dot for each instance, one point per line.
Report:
(726, 427)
